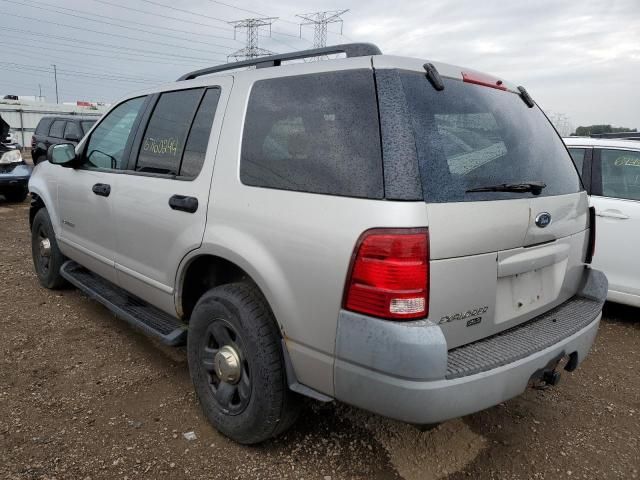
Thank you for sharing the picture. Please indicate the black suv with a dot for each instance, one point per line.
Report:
(55, 130)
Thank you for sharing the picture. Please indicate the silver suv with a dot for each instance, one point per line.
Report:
(410, 238)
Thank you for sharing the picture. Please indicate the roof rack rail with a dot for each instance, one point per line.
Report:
(349, 49)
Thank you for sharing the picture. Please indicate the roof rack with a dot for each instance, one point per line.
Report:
(349, 49)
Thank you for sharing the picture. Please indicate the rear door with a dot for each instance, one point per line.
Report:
(498, 258)
(161, 207)
(616, 198)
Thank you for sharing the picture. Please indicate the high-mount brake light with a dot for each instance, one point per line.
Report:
(484, 80)
(389, 274)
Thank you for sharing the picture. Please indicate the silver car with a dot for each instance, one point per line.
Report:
(408, 237)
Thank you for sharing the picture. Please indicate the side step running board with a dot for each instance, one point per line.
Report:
(152, 321)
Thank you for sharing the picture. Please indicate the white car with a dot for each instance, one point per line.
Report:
(610, 171)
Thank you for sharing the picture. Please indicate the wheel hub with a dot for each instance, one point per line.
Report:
(227, 365)
(45, 247)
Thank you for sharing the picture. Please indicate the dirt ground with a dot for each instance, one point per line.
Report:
(83, 396)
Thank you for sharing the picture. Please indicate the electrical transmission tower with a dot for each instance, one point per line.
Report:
(252, 27)
(320, 22)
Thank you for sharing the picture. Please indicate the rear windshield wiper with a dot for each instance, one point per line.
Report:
(525, 187)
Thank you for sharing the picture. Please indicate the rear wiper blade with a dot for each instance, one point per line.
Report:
(524, 187)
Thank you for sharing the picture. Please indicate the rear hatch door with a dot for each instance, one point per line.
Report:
(506, 210)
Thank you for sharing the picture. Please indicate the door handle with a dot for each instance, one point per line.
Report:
(184, 204)
(102, 189)
(612, 214)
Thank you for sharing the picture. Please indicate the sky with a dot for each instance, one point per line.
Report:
(577, 58)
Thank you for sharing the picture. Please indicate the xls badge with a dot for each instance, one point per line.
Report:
(474, 316)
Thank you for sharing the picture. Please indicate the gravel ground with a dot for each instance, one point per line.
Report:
(83, 396)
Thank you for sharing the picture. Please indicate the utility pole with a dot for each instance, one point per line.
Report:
(320, 22)
(252, 26)
(55, 76)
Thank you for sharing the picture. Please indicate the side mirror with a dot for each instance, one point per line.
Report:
(63, 154)
(72, 137)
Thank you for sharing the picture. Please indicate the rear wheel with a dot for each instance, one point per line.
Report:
(47, 258)
(236, 364)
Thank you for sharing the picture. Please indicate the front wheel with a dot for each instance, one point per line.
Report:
(47, 258)
(237, 366)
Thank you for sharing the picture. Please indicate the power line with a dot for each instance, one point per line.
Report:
(252, 27)
(84, 73)
(117, 47)
(158, 4)
(121, 55)
(132, 22)
(208, 25)
(57, 10)
(111, 34)
(320, 22)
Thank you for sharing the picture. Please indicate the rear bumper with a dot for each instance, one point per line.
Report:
(404, 371)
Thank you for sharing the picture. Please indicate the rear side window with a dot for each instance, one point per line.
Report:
(620, 174)
(196, 147)
(72, 130)
(57, 129)
(86, 125)
(43, 126)
(314, 133)
(470, 137)
(577, 155)
(164, 139)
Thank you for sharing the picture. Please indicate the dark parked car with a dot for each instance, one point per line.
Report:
(14, 172)
(55, 130)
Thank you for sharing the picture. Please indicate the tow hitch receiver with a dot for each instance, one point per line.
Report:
(549, 376)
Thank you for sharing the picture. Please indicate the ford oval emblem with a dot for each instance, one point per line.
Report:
(543, 219)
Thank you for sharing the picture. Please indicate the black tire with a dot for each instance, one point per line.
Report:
(264, 408)
(17, 196)
(39, 159)
(47, 267)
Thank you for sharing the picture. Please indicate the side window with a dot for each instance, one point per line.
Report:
(43, 126)
(196, 147)
(164, 139)
(86, 125)
(577, 155)
(72, 131)
(108, 142)
(620, 173)
(314, 133)
(57, 129)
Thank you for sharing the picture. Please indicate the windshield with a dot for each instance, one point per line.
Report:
(470, 136)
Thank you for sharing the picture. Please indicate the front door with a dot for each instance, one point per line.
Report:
(161, 207)
(86, 194)
(616, 197)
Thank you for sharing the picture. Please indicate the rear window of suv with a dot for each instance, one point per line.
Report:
(314, 133)
(469, 136)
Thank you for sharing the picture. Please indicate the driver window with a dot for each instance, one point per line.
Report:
(108, 141)
(620, 174)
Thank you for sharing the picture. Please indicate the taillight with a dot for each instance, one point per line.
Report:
(591, 247)
(389, 274)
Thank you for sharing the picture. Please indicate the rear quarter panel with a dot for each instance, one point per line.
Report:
(296, 246)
